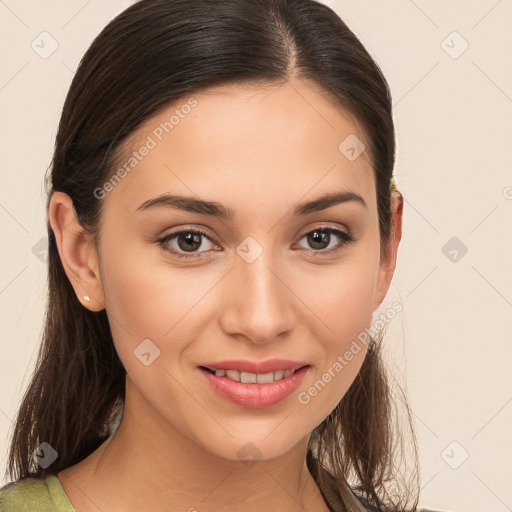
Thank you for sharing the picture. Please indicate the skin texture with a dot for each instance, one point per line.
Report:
(258, 152)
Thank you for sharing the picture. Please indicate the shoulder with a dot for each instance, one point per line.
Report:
(341, 498)
(28, 494)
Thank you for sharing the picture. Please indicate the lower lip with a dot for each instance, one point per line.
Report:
(255, 395)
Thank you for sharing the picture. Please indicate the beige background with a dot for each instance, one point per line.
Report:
(452, 341)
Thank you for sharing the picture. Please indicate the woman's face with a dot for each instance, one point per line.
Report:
(265, 282)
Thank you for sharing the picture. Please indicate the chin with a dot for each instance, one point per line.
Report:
(266, 444)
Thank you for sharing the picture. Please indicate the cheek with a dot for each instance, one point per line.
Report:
(341, 353)
(342, 296)
(148, 299)
(343, 304)
(348, 315)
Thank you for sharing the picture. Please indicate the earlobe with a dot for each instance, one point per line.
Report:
(388, 259)
(77, 252)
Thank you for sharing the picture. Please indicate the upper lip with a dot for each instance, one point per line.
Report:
(261, 367)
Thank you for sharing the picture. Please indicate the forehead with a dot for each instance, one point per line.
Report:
(236, 141)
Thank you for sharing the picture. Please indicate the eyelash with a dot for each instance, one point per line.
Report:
(345, 239)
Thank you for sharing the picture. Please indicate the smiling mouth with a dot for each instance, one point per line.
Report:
(252, 378)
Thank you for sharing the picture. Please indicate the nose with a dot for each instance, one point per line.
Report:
(257, 302)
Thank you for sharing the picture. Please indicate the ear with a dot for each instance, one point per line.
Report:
(388, 257)
(77, 252)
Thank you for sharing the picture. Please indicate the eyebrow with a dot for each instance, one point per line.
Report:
(214, 209)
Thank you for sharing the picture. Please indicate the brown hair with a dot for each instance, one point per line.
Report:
(152, 54)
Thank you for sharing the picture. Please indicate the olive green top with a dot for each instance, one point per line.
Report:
(35, 494)
(48, 495)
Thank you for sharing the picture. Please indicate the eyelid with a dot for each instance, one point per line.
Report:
(326, 227)
(345, 237)
(164, 241)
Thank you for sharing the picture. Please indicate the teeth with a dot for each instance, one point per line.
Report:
(265, 378)
(248, 378)
(233, 375)
(254, 378)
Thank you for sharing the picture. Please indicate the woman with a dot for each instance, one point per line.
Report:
(222, 225)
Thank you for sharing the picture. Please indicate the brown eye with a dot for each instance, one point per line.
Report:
(319, 240)
(187, 243)
(190, 242)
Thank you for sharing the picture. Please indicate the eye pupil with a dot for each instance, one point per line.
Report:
(193, 241)
(319, 237)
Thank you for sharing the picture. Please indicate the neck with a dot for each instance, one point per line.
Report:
(147, 464)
